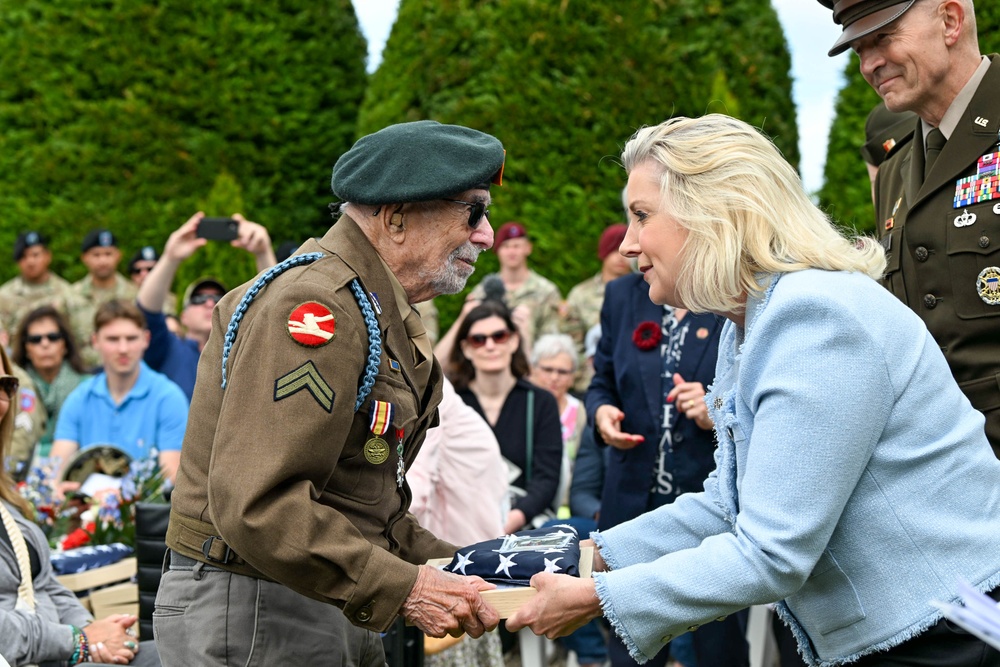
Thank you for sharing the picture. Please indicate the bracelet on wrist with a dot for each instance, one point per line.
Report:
(81, 651)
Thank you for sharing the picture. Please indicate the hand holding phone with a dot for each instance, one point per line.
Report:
(218, 229)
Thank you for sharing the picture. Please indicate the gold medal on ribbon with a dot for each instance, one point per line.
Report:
(376, 450)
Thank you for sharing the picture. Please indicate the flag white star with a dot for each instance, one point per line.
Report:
(550, 565)
(463, 560)
(505, 564)
(554, 551)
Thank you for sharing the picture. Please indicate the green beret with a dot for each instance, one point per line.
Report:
(419, 161)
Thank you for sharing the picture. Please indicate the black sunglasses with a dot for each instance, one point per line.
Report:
(499, 337)
(35, 339)
(9, 385)
(199, 299)
(477, 210)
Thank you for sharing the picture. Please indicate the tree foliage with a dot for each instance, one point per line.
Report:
(846, 191)
(565, 84)
(128, 114)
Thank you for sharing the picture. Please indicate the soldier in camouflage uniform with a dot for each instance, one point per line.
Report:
(534, 301)
(35, 286)
(583, 304)
(29, 425)
(102, 283)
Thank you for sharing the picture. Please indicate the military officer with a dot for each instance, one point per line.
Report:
(100, 254)
(313, 396)
(938, 192)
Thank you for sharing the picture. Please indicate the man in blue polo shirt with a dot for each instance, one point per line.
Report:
(128, 404)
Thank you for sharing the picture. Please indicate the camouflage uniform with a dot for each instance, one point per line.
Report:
(29, 425)
(583, 310)
(18, 298)
(540, 296)
(82, 310)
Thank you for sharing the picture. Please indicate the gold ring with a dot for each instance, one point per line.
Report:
(689, 405)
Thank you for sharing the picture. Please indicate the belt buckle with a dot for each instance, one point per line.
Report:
(206, 550)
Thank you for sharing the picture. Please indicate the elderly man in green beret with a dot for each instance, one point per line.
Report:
(290, 540)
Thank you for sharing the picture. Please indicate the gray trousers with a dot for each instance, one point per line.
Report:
(207, 616)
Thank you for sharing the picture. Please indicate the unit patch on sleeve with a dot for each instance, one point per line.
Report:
(305, 377)
(311, 324)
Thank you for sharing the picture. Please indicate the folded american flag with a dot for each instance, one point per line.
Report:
(513, 559)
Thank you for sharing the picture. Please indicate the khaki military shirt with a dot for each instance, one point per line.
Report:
(583, 310)
(280, 462)
(29, 425)
(942, 238)
(18, 298)
(540, 296)
(82, 311)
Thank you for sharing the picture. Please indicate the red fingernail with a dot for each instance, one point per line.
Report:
(670, 399)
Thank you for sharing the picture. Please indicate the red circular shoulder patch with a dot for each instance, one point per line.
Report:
(311, 324)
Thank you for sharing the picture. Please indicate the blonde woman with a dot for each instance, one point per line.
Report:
(854, 482)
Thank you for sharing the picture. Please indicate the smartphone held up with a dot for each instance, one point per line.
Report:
(218, 229)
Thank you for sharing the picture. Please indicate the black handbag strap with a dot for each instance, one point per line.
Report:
(529, 436)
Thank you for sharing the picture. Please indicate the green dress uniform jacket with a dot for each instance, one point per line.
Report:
(276, 464)
(936, 260)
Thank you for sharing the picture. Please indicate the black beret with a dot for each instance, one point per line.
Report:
(419, 161)
(27, 239)
(862, 17)
(98, 238)
(883, 130)
(146, 253)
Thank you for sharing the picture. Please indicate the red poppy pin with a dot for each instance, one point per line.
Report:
(647, 335)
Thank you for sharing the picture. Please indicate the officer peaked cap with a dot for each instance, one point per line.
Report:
(862, 17)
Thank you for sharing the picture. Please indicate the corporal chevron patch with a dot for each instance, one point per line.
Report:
(306, 377)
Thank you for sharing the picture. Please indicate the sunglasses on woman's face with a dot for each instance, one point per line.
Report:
(8, 386)
(35, 339)
(498, 337)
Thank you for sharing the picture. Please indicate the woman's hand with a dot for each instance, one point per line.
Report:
(561, 605)
(109, 642)
(607, 421)
(598, 564)
(690, 400)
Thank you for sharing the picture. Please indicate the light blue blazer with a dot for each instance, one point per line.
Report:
(853, 482)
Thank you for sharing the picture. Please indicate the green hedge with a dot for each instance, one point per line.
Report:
(565, 84)
(846, 191)
(133, 114)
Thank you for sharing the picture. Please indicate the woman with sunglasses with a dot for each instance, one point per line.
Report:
(45, 347)
(488, 368)
(41, 621)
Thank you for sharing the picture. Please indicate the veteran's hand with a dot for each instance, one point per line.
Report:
(109, 642)
(442, 603)
(608, 420)
(561, 605)
(690, 400)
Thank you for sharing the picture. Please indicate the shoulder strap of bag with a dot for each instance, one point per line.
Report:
(529, 436)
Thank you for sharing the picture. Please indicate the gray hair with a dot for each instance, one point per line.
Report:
(551, 345)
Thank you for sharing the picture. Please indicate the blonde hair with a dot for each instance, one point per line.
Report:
(744, 208)
(8, 491)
